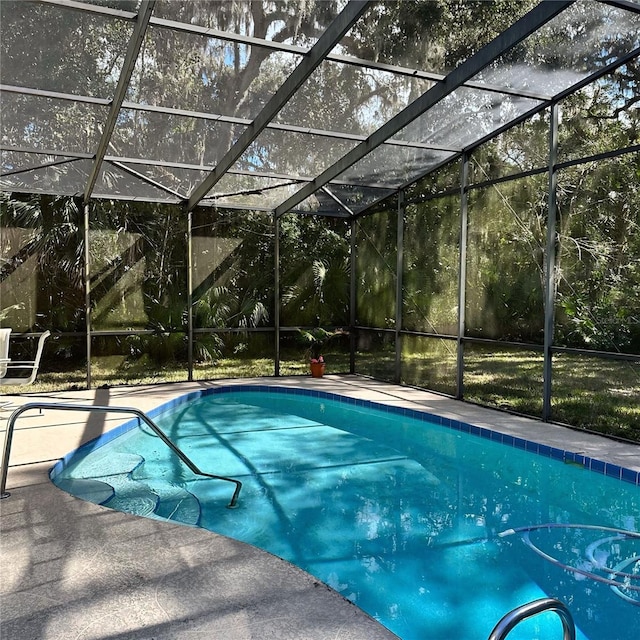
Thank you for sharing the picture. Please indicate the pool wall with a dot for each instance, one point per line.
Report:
(569, 457)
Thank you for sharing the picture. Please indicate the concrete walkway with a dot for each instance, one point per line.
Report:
(72, 569)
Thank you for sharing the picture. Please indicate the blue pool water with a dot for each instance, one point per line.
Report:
(420, 524)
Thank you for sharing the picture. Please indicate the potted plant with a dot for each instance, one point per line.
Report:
(316, 339)
(317, 366)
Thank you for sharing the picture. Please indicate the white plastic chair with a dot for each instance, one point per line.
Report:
(5, 336)
(31, 365)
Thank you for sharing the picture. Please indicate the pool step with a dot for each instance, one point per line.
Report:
(159, 499)
(131, 496)
(107, 465)
(123, 483)
(176, 503)
(153, 498)
(86, 489)
(92, 476)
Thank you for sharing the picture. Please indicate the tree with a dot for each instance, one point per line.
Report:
(314, 271)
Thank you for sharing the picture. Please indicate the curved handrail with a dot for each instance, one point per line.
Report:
(104, 409)
(515, 617)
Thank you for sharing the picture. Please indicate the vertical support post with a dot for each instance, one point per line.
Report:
(190, 295)
(462, 274)
(399, 264)
(276, 290)
(353, 295)
(87, 291)
(550, 263)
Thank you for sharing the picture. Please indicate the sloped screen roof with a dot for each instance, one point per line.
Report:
(321, 107)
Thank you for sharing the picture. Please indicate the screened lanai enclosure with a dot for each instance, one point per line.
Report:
(190, 187)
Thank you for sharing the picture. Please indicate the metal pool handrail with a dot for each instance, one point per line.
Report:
(515, 617)
(103, 409)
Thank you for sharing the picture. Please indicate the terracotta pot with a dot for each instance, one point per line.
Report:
(317, 369)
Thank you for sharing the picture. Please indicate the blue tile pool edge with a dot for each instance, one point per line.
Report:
(563, 455)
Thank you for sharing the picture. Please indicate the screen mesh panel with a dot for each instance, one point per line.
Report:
(351, 99)
(578, 42)
(251, 191)
(49, 124)
(57, 49)
(171, 138)
(199, 73)
(66, 179)
(172, 93)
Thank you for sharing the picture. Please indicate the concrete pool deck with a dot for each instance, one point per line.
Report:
(72, 569)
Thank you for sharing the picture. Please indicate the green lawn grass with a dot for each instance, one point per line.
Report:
(588, 393)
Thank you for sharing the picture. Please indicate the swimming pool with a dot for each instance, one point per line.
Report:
(434, 529)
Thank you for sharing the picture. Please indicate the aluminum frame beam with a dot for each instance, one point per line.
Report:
(140, 176)
(276, 295)
(190, 323)
(327, 41)
(400, 213)
(88, 313)
(82, 6)
(46, 165)
(75, 155)
(337, 200)
(550, 297)
(353, 294)
(508, 39)
(56, 95)
(135, 43)
(462, 275)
